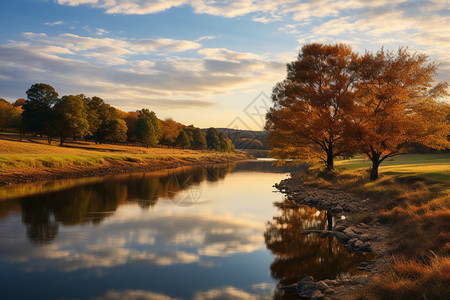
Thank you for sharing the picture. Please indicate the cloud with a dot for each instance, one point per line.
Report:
(54, 23)
(229, 293)
(132, 295)
(129, 7)
(130, 235)
(128, 73)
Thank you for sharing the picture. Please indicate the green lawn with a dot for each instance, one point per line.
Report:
(428, 166)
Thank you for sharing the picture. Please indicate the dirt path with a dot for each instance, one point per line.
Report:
(369, 237)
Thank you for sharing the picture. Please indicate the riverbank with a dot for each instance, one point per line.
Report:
(403, 217)
(33, 160)
(355, 234)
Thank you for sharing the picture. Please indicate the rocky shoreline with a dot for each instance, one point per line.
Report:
(367, 237)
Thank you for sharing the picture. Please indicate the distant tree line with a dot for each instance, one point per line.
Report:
(92, 119)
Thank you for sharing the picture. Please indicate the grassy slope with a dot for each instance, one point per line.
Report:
(36, 153)
(413, 196)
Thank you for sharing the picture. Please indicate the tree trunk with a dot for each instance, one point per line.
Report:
(375, 164)
(330, 157)
(61, 140)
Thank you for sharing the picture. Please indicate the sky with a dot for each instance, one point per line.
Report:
(202, 62)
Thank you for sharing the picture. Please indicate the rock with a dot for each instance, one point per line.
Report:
(321, 285)
(363, 246)
(292, 287)
(305, 281)
(340, 228)
(306, 291)
(316, 295)
(330, 282)
(358, 244)
(360, 279)
(351, 242)
(357, 230)
(341, 236)
(329, 291)
(349, 231)
(365, 237)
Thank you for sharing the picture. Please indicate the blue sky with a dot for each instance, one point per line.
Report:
(200, 62)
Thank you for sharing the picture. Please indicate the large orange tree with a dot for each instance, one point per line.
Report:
(397, 104)
(314, 104)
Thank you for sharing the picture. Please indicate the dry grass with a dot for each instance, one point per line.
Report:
(413, 279)
(413, 199)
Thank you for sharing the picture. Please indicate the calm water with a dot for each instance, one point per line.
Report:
(218, 232)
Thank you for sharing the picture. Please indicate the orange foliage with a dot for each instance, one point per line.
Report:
(313, 104)
(170, 130)
(397, 105)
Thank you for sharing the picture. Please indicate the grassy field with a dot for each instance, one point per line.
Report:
(34, 152)
(34, 160)
(412, 196)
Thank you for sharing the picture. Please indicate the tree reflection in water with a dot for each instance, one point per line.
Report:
(298, 255)
(91, 203)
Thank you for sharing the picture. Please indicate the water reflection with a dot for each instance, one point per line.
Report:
(141, 236)
(298, 255)
(71, 204)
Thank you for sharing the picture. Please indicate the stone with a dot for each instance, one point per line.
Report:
(360, 279)
(305, 281)
(340, 228)
(358, 244)
(341, 236)
(367, 247)
(349, 231)
(365, 237)
(292, 287)
(306, 292)
(330, 282)
(317, 295)
(321, 285)
(351, 242)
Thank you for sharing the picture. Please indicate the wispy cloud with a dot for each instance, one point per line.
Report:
(54, 23)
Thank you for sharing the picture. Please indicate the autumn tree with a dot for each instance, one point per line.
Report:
(199, 139)
(147, 128)
(397, 104)
(313, 105)
(15, 120)
(5, 109)
(131, 121)
(19, 102)
(183, 140)
(105, 121)
(218, 141)
(37, 111)
(71, 117)
(170, 130)
(212, 138)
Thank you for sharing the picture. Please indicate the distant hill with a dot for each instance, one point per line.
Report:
(246, 139)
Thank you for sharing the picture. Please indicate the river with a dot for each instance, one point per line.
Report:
(216, 232)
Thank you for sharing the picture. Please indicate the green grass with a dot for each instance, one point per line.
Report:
(22, 161)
